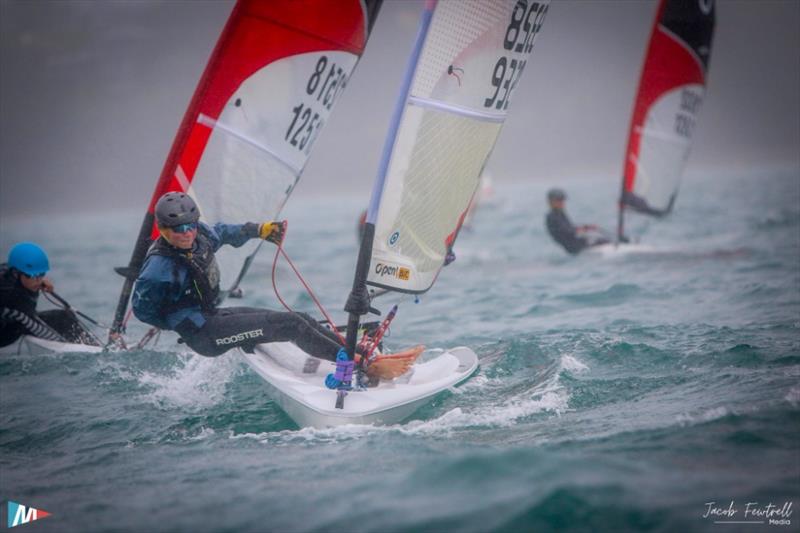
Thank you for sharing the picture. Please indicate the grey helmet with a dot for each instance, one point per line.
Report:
(176, 208)
(556, 194)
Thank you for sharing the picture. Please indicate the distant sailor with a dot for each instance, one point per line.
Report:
(178, 287)
(21, 281)
(572, 238)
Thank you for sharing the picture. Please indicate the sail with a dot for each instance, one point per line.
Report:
(267, 91)
(469, 58)
(670, 93)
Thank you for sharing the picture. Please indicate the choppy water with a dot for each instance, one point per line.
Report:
(617, 392)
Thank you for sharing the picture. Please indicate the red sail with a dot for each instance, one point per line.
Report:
(266, 93)
(670, 92)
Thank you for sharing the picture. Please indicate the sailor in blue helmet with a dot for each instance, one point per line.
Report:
(572, 238)
(178, 286)
(22, 278)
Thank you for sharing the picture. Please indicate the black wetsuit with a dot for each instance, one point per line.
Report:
(231, 327)
(18, 314)
(563, 232)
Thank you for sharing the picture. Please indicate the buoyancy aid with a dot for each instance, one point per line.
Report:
(203, 272)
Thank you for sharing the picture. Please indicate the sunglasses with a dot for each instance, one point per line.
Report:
(183, 228)
(36, 276)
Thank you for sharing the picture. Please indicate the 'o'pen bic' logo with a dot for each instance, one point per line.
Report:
(18, 514)
(393, 271)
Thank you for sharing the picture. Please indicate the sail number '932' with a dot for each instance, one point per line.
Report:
(323, 87)
(526, 21)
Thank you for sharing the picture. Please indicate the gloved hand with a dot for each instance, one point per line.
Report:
(272, 231)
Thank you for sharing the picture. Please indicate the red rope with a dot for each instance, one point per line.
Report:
(280, 251)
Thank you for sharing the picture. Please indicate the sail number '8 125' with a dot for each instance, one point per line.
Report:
(526, 21)
(323, 87)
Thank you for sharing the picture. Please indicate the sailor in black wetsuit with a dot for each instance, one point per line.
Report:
(562, 230)
(21, 280)
(178, 286)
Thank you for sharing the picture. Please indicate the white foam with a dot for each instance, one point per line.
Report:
(548, 396)
(199, 382)
(708, 415)
(572, 364)
(793, 396)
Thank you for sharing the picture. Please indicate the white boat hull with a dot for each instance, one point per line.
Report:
(621, 249)
(29, 345)
(296, 382)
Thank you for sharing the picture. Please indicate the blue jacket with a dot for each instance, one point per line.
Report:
(164, 280)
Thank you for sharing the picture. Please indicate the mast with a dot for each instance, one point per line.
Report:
(358, 301)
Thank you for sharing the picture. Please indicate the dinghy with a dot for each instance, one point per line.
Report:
(462, 74)
(30, 345)
(239, 154)
(296, 382)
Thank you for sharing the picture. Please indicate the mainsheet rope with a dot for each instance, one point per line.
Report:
(280, 251)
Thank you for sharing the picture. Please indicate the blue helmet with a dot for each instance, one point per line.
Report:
(28, 258)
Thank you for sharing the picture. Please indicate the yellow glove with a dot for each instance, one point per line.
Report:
(272, 231)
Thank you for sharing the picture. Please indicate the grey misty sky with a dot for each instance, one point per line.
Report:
(92, 93)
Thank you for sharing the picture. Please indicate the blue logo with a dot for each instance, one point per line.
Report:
(393, 239)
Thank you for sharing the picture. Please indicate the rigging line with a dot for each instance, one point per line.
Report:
(281, 251)
(77, 316)
(55, 299)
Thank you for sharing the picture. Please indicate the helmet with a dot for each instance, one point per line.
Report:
(176, 208)
(28, 258)
(556, 194)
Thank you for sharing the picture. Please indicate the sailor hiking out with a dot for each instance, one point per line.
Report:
(178, 287)
(572, 238)
(22, 278)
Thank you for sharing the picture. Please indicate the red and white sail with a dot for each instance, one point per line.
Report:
(268, 90)
(670, 94)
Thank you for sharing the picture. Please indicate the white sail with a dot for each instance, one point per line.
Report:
(474, 54)
(259, 146)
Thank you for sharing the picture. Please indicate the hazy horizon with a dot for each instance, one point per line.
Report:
(91, 95)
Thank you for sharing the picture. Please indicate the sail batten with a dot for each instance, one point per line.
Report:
(455, 109)
(218, 125)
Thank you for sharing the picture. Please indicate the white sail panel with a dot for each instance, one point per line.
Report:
(411, 237)
(473, 57)
(259, 146)
(665, 144)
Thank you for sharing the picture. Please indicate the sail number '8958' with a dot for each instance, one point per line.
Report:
(323, 87)
(526, 21)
